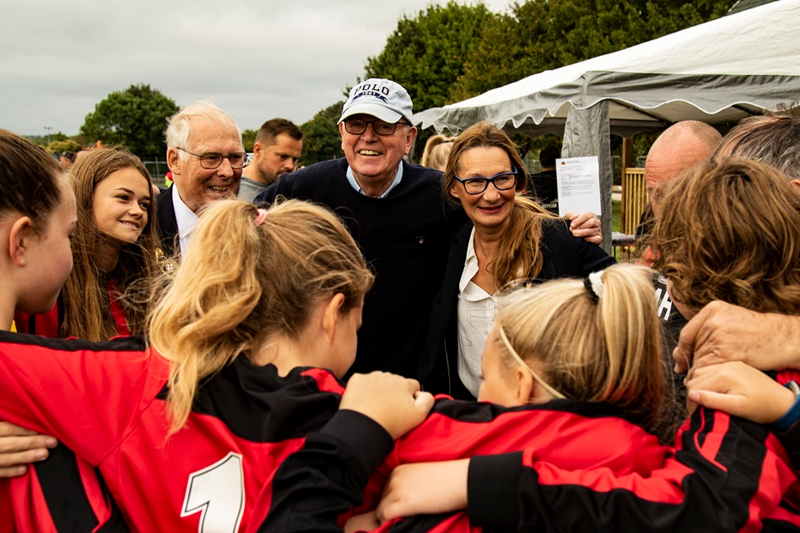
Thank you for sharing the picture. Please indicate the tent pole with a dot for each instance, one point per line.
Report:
(586, 133)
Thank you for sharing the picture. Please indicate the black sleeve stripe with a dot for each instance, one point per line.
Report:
(119, 344)
(65, 494)
(718, 484)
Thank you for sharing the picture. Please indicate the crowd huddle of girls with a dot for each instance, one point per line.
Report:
(218, 405)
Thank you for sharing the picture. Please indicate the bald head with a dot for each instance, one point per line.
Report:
(682, 146)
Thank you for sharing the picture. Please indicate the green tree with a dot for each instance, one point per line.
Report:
(66, 145)
(426, 53)
(135, 118)
(249, 139)
(539, 35)
(321, 140)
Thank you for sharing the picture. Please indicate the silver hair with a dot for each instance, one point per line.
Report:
(773, 139)
(179, 125)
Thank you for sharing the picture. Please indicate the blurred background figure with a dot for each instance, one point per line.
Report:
(543, 186)
(436, 151)
(67, 159)
(276, 152)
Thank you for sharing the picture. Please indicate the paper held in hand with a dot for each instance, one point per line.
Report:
(578, 185)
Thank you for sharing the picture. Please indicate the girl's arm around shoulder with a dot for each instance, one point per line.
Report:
(84, 394)
(726, 475)
(325, 479)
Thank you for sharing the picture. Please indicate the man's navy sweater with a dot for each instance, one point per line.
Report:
(405, 238)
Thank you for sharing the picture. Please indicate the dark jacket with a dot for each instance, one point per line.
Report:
(564, 256)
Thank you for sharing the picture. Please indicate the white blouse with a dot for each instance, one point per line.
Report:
(476, 312)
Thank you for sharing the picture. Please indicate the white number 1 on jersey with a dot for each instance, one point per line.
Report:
(217, 492)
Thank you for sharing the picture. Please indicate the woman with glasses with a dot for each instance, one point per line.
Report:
(509, 237)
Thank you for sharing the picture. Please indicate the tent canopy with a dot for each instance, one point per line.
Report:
(718, 72)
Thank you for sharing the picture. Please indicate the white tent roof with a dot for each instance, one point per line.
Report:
(718, 72)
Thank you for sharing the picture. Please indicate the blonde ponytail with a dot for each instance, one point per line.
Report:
(241, 282)
(592, 347)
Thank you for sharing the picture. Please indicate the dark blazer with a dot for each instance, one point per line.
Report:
(564, 256)
(167, 223)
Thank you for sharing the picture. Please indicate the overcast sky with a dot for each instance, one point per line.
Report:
(257, 59)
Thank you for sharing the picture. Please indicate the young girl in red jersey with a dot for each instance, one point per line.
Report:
(113, 251)
(37, 221)
(188, 432)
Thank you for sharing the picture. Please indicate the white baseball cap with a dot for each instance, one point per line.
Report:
(380, 98)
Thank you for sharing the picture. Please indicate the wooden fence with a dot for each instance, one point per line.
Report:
(634, 199)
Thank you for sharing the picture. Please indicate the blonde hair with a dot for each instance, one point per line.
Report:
(241, 282)
(519, 255)
(87, 305)
(589, 348)
(730, 231)
(437, 149)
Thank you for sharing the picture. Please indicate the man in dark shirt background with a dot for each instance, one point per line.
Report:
(544, 186)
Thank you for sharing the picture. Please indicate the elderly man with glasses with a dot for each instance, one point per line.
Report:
(395, 211)
(206, 157)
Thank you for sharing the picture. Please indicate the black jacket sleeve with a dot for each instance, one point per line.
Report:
(725, 475)
(318, 483)
(790, 438)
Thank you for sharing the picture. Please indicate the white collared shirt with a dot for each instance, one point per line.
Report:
(397, 179)
(476, 311)
(186, 219)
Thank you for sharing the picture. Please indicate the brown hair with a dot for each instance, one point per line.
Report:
(240, 283)
(519, 254)
(588, 348)
(730, 231)
(87, 309)
(29, 177)
(270, 130)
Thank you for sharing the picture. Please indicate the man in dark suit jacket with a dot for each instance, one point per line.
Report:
(206, 156)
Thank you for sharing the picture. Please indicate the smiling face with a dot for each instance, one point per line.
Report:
(375, 158)
(120, 204)
(197, 186)
(492, 208)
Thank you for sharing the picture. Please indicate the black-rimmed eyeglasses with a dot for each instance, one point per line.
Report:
(357, 126)
(212, 160)
(501, 182)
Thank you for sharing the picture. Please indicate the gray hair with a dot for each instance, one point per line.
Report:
(773, 138)
(179, 125)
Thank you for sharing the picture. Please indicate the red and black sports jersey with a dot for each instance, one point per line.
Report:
(725, 474)
(107, 402)
(580, 434)
(62, 493)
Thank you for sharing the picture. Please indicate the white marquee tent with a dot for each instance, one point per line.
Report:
(718, 72)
